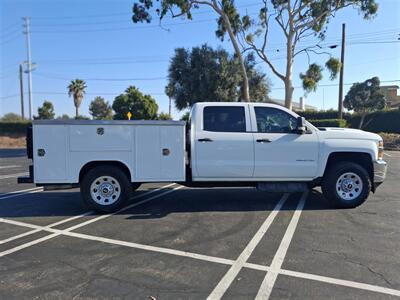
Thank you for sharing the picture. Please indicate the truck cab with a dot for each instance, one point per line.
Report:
(224, 144)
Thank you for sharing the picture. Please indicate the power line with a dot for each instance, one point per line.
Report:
(160, 93)
(3, 30)
(127, 14)
(10, 40)
(5, 35)
(100, 79)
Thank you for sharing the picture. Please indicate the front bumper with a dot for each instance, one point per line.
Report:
(380, 168)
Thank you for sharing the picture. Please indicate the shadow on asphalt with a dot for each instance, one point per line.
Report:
(66, 204)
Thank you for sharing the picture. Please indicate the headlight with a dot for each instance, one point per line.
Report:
(380, 150)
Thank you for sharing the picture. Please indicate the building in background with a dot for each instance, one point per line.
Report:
(390, 92)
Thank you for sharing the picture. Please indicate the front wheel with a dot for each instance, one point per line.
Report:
(346, 184)
(105, 189)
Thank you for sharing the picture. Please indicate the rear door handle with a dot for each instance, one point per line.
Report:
(263, 141)
(205, 140)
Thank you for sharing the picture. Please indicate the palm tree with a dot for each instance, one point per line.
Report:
(77, 88)
(169, 91)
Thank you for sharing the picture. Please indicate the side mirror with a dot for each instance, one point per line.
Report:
(301, 127)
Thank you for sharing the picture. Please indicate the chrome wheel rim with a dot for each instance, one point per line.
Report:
(349, 186)
(105, 190)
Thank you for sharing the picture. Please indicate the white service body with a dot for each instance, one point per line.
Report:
(70, 145)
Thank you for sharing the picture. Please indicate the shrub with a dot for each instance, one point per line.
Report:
(380, 121)
(329, 123)
(13, 127)
(321, 114)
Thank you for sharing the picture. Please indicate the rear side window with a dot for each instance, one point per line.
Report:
(224, 118)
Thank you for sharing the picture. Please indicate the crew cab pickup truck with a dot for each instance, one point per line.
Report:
(223, 144)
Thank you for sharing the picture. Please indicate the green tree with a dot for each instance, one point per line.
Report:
(204, 74)
(63, 117)
(169, 91)
(298, 20)
(142, 107)
(12, 118)
(164, 116)
(185, 116)
(100, 109)
(365, 97)
(76, 89)
(227, 23)
(46, 111)
(80, 117)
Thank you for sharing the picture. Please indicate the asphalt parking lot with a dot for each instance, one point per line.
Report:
(173, 242)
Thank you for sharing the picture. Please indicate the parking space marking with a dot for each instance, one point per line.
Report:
(13, 175)
(20, 193)
(9, 167)
(329, 280)
(39, 229)
(59, 232)
(269, 280)
(347, 283)
(62, 221)
(234, 270)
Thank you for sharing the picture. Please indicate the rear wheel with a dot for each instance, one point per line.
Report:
(106, 189)
(346, 184)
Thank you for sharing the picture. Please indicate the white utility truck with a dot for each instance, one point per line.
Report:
(223, 144)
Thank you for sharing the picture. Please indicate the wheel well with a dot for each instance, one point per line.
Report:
(90, 165)
(361, 158)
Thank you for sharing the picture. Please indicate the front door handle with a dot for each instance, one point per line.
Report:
(205, 140)
(263, 141)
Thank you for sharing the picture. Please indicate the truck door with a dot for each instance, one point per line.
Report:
(224, 143)
(281, 153)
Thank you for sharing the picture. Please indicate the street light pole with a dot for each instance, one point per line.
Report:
(340, 106)
(29, 62)
(21, 87)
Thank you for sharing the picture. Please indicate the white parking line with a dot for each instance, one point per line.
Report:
(347, 283)
(9, 167)
(40, 228)
(21, 193)
(234, 270)
(59, 232)
(34, 190)
(269, 281)
(330, 280)
(13, 175)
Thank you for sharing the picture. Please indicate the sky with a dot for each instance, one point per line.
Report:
(95, 40)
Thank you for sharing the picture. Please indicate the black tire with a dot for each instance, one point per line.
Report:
(135, 186)
(123, 188)
(332, 192)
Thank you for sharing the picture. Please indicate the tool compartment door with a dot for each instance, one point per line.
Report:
(159, 153)
(49, 153)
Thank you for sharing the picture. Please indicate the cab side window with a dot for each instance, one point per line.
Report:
(273, 120)
(224, 119)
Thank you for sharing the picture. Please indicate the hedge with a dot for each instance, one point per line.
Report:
(380, 121)
(13, 127)
(321, 114)
(329, 123)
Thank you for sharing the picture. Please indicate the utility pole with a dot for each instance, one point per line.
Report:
(169, 106)
(29, 62)
(340, 108)
(21, 87)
